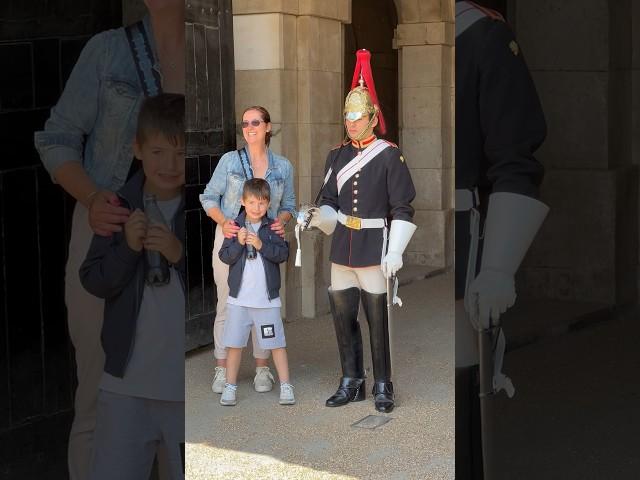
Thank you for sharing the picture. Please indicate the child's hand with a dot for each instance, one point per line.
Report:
(161, 239)
(242, 236)
(253, 239)
(135, 230)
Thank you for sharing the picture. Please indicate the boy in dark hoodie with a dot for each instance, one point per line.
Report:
(254, 256)
(141, 398)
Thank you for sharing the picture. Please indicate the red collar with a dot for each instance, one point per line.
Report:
(363, 143)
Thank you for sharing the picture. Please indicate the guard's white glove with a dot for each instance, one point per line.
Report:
(491, 294)
(399, 236)
(391, 263)
(323, 218)
(315, 217)
(512, 222)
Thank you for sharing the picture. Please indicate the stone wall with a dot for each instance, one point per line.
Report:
(587, 249)
(425, 39)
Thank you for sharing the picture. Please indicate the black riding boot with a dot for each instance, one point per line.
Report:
(375, 307)
(344, 308)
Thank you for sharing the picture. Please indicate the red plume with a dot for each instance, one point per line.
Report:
(363, 65)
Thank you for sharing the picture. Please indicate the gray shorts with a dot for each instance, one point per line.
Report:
(128, 432)
(268, 327)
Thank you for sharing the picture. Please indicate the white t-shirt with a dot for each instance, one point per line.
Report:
(253, 288)
(156, 365)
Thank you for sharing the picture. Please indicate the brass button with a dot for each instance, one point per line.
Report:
(355, 209)
(355, 183)
(355, 192)
(355, 200)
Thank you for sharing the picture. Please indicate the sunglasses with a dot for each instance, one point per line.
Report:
(253, 123)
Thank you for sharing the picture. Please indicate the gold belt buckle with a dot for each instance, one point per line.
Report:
(353, 223)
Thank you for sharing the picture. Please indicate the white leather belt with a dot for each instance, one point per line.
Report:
(357, 223)
(466, 199)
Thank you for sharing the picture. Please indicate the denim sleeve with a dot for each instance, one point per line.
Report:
(213, 192)
(288, 203)
(74, 116)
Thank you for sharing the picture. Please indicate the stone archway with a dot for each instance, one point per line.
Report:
(372, 26)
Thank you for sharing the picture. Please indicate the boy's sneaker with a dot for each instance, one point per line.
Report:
(286, 394)
(219, 380)
(228, 395)
(263, 382)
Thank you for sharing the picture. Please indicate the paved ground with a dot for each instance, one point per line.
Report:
(259, 439)
(576, 412)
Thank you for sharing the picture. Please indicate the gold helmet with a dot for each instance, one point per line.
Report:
(358, 104)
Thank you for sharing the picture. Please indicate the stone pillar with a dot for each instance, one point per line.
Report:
(288, 58)
(425, 38)
(587, 249)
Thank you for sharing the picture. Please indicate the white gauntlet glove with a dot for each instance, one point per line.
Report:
(401, 233)
(491, 294)
(323, 218)
(512, 223)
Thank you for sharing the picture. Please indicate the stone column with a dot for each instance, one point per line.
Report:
(425, 38)
(587, 249)
(288, 58)
(320, 79)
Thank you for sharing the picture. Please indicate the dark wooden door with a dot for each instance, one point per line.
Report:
(40, 42)
(210, 133)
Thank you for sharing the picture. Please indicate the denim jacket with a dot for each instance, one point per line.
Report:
(94, 121)
(224, 190)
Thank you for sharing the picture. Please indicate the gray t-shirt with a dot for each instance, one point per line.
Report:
(156, 367)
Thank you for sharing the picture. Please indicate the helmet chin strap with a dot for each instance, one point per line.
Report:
(361, 135)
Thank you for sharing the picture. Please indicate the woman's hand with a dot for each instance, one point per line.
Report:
(106, 216)
(229, 228)
(278, 227)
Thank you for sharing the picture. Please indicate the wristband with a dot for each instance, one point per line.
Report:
(91, 195)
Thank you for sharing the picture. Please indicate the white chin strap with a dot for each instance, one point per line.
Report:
(362, 135)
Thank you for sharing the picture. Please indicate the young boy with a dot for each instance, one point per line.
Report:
(254, 286)
(141, 398)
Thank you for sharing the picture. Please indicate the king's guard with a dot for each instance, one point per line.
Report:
(365, 202)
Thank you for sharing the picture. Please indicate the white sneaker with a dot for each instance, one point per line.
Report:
(219, 380)
(286, 394)
(263, 382)
(228, 395)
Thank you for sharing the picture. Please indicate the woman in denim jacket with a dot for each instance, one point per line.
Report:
(86, 146)
(221, 201)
